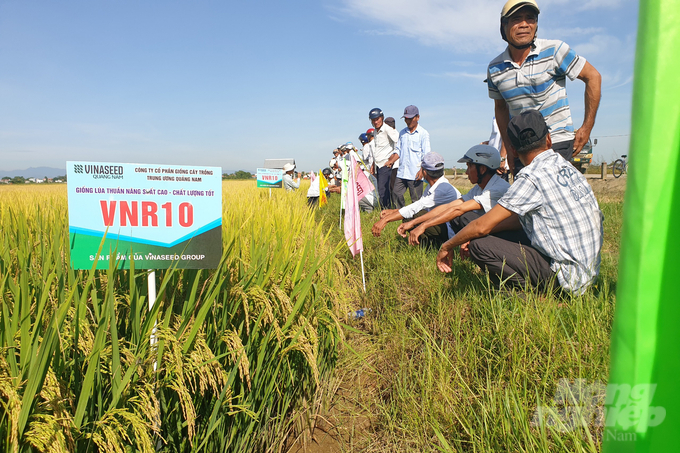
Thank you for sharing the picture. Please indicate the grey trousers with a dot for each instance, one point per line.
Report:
(415, 189)
(508, 257)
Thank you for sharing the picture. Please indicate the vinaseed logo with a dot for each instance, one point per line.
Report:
(100, 171)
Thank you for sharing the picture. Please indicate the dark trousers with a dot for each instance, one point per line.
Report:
(393, 179)
(564, 149)
(508, 256)
(415, 188)
(383, 176)
(433, 236)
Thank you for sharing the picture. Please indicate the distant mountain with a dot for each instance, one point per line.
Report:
(34, 172)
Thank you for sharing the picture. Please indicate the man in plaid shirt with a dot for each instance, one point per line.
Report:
(554, 206)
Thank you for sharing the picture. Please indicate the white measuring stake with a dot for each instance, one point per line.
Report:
(363, 277)
(151, 286)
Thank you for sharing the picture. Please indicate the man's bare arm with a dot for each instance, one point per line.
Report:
(502, 119)
(593, 81)
(477, 228)
(382, 223)
(449, 214)
(431, 214)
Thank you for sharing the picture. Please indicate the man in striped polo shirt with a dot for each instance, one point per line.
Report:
(531, 75)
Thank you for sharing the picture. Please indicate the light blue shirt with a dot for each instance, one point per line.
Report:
(411, 148)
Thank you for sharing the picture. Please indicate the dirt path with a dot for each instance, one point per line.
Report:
(605, 189)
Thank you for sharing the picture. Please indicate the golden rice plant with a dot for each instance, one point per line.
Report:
(236, 349)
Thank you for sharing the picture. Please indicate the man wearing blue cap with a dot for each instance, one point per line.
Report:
(439, 192)
(412, 146)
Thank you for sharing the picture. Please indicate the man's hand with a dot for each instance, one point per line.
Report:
(385, 212)
(419, 175)
(581, 138)
(378, 227)
(404, 228)
(465, 250)
(593, 81)
(444, 260)
(415, 235)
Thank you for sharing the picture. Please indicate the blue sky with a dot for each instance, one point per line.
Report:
(227, 83)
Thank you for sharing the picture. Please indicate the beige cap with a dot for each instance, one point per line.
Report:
(288, 167)
(512, 6)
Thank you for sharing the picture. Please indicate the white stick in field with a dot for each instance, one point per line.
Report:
(363, 276)
(151, 286)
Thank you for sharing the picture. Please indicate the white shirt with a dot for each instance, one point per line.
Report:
(490, 194)
(495, 139)
(384, 144)
(289, 184)
(313, 190)
(367, 154)
(411, 148)
(441, 192)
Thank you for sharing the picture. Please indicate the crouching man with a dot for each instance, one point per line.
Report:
(482, 162)
(556, 209)
(439, 191)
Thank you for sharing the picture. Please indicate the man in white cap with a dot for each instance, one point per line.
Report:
(531, 75)
(412, 146)
(482, 162)
(440, 191)
(288, 183)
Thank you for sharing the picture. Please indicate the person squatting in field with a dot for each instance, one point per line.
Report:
(439, 191)
(482, 162)
(531, 74)
(555, 208)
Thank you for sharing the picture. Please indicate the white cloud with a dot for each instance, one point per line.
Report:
(576, 32)
(598, 45)
(586, 6)
(461, 26)
(461, 74)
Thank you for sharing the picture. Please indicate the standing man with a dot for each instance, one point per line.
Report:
(531, 75)
(385, 140)
(413, 144)
(288, 183)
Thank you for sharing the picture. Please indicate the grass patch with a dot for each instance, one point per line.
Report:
(446, 363)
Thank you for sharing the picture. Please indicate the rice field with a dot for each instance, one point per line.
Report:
(240, 351)
(258, 356)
